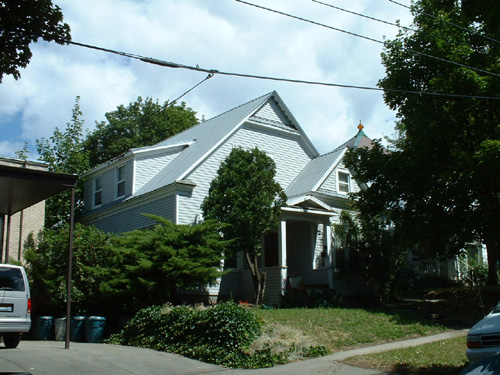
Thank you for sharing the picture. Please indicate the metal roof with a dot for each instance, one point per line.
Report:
(206, 136)
(21, 188)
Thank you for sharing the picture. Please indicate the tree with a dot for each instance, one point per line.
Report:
(64, 153)
(440, 180)
(142, 123)
(23, 22)
(150, 265)
(47, 267)
(245, 197)
(374, 254)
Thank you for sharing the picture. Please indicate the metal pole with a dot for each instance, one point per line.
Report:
(70, 267)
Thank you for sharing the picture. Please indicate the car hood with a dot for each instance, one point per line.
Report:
(489, 324)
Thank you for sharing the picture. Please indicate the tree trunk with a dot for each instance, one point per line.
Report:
(259, 281)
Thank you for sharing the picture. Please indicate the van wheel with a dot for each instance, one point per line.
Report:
(11, 342)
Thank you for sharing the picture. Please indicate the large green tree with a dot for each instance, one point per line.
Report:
(24, 22)
(246, 197)
(440, 181)
(142, 123)
(64, 153)
(152, 265)
(47, 266)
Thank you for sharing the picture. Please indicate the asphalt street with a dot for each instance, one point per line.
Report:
(50, 357)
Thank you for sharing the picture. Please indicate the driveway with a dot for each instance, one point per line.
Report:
(50, 357)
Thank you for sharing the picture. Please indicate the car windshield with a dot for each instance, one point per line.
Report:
(11, 279)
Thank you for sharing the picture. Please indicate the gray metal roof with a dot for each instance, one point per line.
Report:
(314, 173)
(207, 136)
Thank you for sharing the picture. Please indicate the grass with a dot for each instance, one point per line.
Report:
(340, 329)
(445, 357)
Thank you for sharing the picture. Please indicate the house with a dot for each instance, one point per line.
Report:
(14, 229)
(171, 179)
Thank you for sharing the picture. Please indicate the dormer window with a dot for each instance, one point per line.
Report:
(97, 191)
(344, 182)
(120, 181)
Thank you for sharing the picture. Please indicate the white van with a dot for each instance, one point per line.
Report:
(15, 304)
(483, 339)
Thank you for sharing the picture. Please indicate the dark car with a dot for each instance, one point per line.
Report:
(487, 366)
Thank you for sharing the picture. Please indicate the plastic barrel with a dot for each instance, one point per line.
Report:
(45, 328)
(94, 328)
(60, 329)
(77, 329)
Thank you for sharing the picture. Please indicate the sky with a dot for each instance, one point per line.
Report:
(224, 35)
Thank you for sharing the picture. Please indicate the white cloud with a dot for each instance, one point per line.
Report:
(224, 35)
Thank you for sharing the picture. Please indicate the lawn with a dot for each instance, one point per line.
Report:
(340, 329)
(445, 357)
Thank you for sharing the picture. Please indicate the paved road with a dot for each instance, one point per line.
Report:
(50, 357)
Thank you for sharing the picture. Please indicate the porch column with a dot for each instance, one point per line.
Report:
(330, 254)
(282, 254)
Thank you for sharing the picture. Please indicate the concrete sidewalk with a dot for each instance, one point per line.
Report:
(50, 357)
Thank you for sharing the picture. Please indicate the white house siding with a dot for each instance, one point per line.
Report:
(133, 218)
(147, 167)
(287, 152)
(108, 184)
(330, 184)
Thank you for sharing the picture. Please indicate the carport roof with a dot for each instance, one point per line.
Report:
(21, 188)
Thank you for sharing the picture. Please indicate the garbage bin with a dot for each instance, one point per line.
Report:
(77, 329)
(60, 329)
(45, 328)
(94, 328)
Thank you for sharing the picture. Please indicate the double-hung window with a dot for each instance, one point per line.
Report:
(120, 181)
(344, 182)
(97, 191)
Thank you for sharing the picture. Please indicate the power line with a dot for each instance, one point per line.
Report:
(447, 22)
(212, 72)
(366, 37)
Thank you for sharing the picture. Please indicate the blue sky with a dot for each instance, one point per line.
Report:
(220, 34)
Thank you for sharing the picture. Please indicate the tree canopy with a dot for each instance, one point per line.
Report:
(142, 123)
(245, 197)
(440, 180)
(64, 153)
(23, 22)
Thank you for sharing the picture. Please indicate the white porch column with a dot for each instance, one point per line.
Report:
(282, 254)
(330, 254)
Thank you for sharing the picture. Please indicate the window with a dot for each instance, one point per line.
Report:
(344, 182)
(120, 181)
(98, 191)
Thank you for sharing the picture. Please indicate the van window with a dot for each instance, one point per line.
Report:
(11, 279)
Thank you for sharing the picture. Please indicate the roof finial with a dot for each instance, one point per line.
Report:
(360, 126)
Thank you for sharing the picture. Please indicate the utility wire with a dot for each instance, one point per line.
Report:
(367, 38)
(448, 22)
(212, 72)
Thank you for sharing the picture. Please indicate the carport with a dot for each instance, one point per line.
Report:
(21, 188)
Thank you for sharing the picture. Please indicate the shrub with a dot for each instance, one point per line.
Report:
(221, 334)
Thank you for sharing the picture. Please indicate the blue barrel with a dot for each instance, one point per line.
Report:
(94, 328)
(45, 328)
(77, 329)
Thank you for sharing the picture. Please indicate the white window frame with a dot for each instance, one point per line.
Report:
(343, 183)
(121, 181)
(97, 189)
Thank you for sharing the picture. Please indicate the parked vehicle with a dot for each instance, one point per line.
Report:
(487, 366)
(483, 339)
(15, 304)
